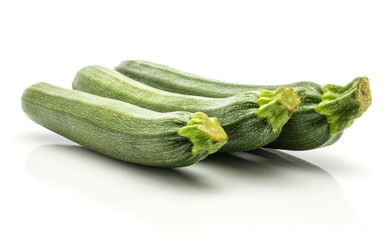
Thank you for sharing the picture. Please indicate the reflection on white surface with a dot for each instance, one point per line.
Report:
(262, 190)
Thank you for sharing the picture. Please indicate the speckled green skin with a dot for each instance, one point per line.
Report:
(172, 80)
(112, 127)
(306, 129)
(237, 114)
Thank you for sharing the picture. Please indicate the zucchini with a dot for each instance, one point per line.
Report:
(326, 110)
(123, 131)
(250, 119)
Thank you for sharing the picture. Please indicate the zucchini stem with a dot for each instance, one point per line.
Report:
(343, 104)
(278, 106)
(205, 133)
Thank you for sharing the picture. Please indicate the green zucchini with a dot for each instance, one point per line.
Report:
(123, 131)
(250, 119)
(326, 110)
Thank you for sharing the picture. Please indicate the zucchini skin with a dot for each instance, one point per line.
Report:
(237, 114)
(112, 127)
(173, 80)
(306, 129)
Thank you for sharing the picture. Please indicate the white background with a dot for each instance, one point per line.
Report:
(53, 189)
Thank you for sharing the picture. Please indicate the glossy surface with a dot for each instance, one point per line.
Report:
(314, 124)
(52, 189)
(121, 130)
(250, 119)
(177, 81)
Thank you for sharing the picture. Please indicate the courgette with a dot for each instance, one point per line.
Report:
(123, 131)
(326, 110)
(250, 119)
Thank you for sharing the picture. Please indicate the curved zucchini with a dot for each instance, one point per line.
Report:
(250, 119)
(326, 110)
(124, 131)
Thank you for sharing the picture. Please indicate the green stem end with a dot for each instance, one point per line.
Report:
(278, 106)
(205, 133)
(343, 104)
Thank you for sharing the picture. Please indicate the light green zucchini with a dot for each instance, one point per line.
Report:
(250, 119)
(123, 131)
(320, 121)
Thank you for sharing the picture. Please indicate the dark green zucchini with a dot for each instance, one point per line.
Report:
(124, 131)
(326, 110)
(250, 119)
